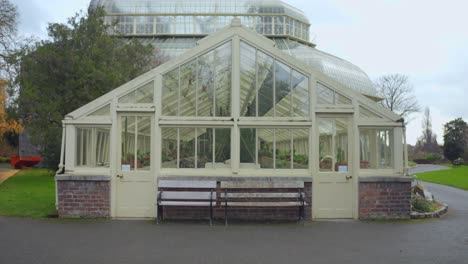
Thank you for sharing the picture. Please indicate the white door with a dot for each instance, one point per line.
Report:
(334, 183)
(136, 188)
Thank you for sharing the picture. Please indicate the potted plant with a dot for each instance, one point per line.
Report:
(340, 159)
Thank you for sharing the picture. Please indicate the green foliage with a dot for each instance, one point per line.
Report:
(79, 63)
(455, 139)
(4, 159)
(420, 205)
(433, 157)
(30, 193)
(456, 177)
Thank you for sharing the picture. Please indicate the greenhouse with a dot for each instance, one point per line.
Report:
(236, 109)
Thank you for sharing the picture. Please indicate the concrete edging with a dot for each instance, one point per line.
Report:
(385, 179)
(436, 214)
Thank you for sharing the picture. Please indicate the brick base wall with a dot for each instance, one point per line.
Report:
(385, 200)
(274, 213)
(80, 198)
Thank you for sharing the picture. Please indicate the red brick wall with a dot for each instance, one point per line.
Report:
(83, 198)
(384, 200)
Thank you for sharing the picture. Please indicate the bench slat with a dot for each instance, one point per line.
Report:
(262, 190)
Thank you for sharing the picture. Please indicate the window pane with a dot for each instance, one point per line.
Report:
(301, 148)
(128, 125)
(169, 148)
(376, 147)
(102, 147)
(341, 145)
(170, 93)
(205, 148)
(325, 95)
(144, 143)
(142, 95)
(83, 147)
(300, 85)
(206, 84)
(248, 137)
(282, 89)
(187, 148)
(223, 81)
(222, 147)
(188, 86)
(326, 159)
(248, 81)
(104, 111)
(283, 149)
(266, 148)
(265, 84)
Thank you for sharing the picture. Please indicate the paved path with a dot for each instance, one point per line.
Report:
(426, 168)
(75, 241)
(6, 173)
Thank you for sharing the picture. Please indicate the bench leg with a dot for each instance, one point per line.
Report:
(225, 208)
(211, 208)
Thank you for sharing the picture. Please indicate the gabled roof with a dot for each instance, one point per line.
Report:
(214, 40)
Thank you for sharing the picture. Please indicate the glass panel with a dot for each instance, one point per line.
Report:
(170, 93)
(248, 137)
(84, 147)
(206, 84)
(300, 85)
(366, 113)
(188, 84)
(143, 154)
(341, 145)
(376, 148)
(301, 148)
(223, 81)
(142, 95)
(283, 149)
(169, 148)
(104, 111)
(342, 100)
(102, 147)
(265, 84)
(248, 103)
(326, 157)
(266, 148)
(282, 89)
(325, 95)
(144, 25)
(223, 147)
(279, 27)
(205, 148)
(128, 125)
(187, 148)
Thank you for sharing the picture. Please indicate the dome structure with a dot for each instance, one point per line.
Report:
(175, 26)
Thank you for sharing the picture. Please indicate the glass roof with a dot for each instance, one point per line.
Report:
(199, 7)
(338, 69)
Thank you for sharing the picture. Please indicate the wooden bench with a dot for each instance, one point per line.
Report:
(186, 193)
(263, 197)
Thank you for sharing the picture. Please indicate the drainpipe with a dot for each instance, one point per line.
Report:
(61, 166)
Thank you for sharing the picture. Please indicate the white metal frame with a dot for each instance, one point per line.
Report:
(235, 33)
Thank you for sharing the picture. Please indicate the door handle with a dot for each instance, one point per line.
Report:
(349, 177)
(120, 176)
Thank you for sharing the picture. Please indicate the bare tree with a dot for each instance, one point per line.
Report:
(8, 30)
(398, 94)
(428, 141)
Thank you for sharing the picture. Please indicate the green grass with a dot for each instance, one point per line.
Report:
(29, 193)
(456, 177)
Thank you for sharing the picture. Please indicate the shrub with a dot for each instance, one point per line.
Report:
(4, 159)
(421, 205)
(433, 157)
(458, 162)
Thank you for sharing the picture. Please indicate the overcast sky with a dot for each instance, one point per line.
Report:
(424, 39)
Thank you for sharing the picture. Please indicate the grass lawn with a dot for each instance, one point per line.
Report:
(28, 193)
(456, 177)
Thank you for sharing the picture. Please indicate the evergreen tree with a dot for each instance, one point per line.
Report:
(455, 139)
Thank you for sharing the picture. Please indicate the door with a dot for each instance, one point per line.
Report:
(334, 183)
(136, 188)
